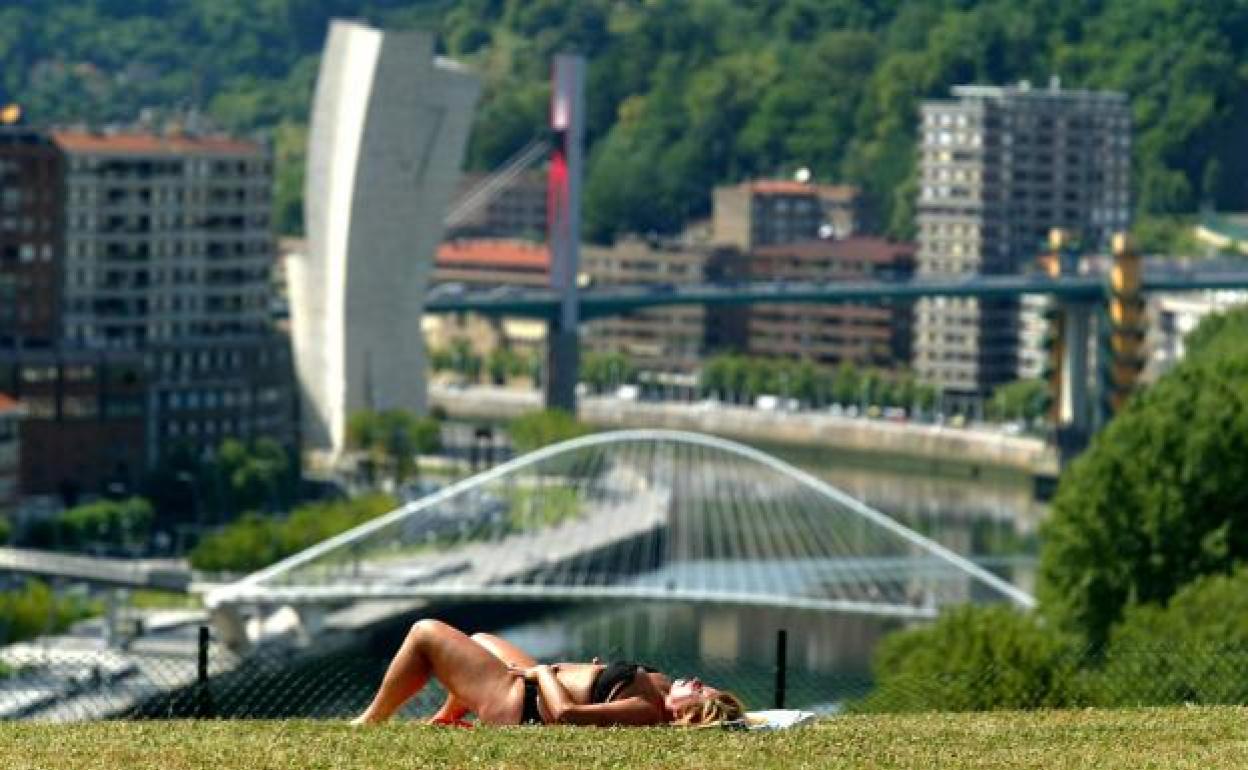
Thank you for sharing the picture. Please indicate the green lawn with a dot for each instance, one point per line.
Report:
(1206, 738)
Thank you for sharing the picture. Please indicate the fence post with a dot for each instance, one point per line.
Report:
(204, 706)
(782, 638)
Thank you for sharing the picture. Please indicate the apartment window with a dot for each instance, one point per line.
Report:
(33, 374)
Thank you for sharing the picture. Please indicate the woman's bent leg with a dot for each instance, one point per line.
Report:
(475, 678)
(453, 709)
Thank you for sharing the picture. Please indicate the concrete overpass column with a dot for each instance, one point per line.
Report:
(231, 627)
(1075, 403)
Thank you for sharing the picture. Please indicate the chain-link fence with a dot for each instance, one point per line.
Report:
(49, 683)
(206, 680)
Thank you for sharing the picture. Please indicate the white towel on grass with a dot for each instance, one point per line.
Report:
(777, 719)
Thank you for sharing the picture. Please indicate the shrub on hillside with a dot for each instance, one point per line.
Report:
(975, 659)
(1193, 650)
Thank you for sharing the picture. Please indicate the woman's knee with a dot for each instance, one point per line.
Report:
(426, 628)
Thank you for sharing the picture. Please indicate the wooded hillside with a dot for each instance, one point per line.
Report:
(682, 93)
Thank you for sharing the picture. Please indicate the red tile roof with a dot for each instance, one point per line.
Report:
(152, 144)
(780, 187)
(7, 404)
(494, 253)
(791, 187)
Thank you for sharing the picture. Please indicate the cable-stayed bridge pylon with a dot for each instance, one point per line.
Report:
(634, 515)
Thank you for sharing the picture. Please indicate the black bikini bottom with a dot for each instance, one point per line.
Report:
(529, 714)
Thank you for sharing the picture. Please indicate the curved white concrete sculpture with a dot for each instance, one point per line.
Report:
(389, 125)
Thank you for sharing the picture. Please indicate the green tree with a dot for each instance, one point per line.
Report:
(1228, 329)
(1019, 400)
(111, 524)
(392, 438)
(1158, 499)
(601, 371)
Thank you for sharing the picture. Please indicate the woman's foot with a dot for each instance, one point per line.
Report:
(449, 722)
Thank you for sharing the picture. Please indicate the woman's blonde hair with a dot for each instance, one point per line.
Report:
(722, 707)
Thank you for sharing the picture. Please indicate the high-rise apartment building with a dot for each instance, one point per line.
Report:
(168, 251)
(999, 168)
(31, 206)
(166, 237)
(10, 438)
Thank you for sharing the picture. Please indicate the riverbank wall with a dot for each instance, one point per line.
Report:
(967, 445)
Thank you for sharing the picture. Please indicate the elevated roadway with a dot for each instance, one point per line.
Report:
(599, 302)
(163, 574)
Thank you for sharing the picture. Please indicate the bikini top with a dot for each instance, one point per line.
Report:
(613, 677)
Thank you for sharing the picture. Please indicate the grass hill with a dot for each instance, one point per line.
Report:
(1175, 739)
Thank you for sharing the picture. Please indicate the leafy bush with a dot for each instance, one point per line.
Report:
(1194, 650)
(35, 609)
(255, 541)
(538, 429)
(974, 659)
(394, 438)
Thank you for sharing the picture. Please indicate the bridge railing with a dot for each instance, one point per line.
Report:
(635, 514)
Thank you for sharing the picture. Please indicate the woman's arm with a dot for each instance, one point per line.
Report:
(563, 710)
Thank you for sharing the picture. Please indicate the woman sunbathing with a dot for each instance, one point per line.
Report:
(503, 685)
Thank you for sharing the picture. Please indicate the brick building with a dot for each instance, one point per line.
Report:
(766, 212)
(85, 422)
(10, 452)
(669, 339)
(865, 334)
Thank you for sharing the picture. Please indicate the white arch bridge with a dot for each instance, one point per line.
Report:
(648, 515)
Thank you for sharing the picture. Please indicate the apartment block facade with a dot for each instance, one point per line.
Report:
(168, 251)
(516, 210)
(84, 426)
(10, 452)
(767, 212)
(999, 167)
(670, 339)
(31, 209)
(488, 263)
(864, 334)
